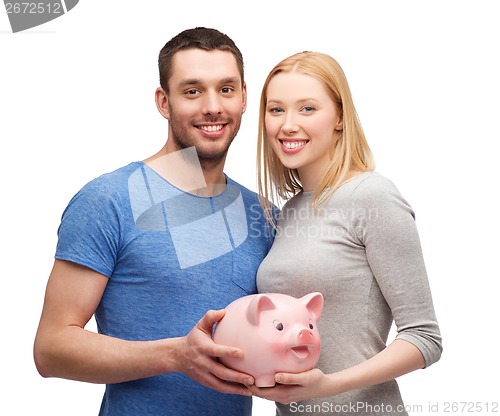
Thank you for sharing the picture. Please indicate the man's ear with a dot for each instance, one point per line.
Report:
(244, 96)
(161, 99)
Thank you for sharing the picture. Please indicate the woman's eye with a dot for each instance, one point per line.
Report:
(275, 110)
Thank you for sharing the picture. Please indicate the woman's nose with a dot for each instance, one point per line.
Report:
(290, 126)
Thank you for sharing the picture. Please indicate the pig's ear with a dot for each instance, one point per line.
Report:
(257, 305)
(314, 303)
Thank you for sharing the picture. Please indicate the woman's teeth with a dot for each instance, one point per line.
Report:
(294, 145)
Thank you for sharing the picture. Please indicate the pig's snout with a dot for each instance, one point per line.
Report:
(305, 336)
(305, 342)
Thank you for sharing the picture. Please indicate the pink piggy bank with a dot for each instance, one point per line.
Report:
(277, 333)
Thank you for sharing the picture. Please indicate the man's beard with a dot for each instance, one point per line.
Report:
(208, 157)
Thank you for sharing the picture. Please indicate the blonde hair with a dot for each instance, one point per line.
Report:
(350, 152)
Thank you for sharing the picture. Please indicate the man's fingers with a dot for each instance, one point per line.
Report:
(226, 386)
(228, 374)
(211, 317)
(205, 358)
(225, 351)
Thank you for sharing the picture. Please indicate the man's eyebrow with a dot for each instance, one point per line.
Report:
(195, 81)
(188, 82)
(230, 80)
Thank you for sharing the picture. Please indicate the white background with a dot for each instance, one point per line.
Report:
(77, 100)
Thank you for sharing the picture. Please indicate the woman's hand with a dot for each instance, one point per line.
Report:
(295, 387)
(400, 357)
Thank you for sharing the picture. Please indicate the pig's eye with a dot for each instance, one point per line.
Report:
(278, 325)
(311, 325)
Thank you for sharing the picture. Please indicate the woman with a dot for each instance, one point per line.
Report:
(347, 232)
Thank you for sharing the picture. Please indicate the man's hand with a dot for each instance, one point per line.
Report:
(199, 359)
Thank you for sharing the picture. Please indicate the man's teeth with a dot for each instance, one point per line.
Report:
(212, 128)
(294, 145)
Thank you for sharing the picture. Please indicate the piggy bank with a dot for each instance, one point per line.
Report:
(277, 333)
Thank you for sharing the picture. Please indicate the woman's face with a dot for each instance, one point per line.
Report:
(301, 121)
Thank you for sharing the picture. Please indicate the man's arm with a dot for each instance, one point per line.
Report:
(64, 348)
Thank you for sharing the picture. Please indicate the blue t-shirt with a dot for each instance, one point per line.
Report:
(170, 256)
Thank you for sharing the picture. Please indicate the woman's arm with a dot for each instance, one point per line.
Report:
(399, 358)
(394, 254)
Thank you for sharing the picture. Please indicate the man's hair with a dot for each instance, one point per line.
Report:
(198, 38)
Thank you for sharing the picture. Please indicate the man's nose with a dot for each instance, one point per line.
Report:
(212, 103)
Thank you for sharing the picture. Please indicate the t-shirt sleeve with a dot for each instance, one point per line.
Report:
(89, 231)
(394, 254)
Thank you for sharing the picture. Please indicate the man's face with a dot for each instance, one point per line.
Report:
(205, 103)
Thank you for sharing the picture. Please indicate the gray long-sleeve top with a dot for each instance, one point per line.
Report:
(362, 251)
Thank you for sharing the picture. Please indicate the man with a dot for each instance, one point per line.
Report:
(150, 247)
